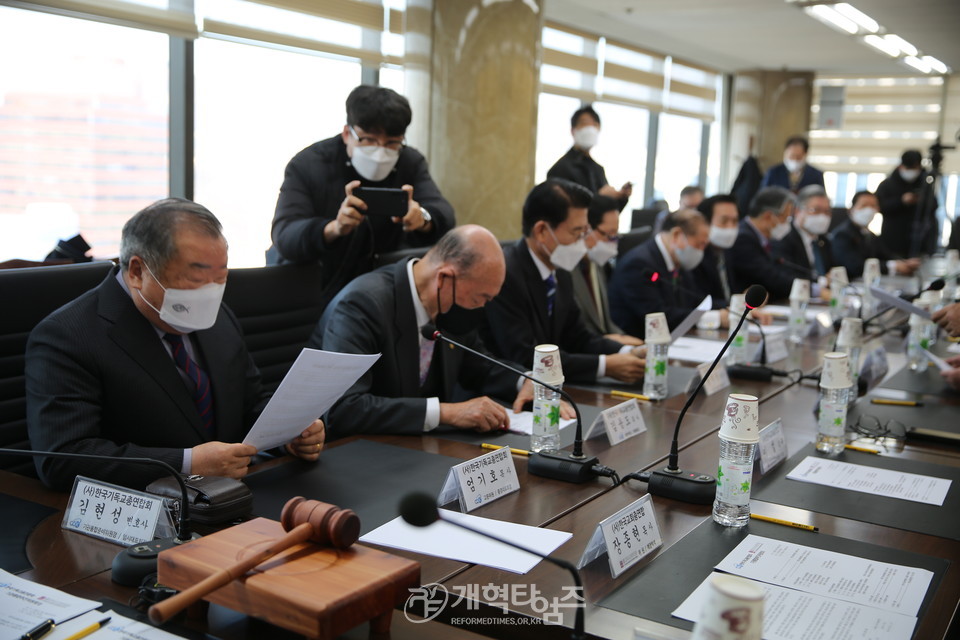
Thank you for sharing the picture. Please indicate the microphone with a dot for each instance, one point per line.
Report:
(569, 467)
(133, 564)
(693, 486)
(805, 272)
(420, 510)
(936, 285)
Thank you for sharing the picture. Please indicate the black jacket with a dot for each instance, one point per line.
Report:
(752, 264)
(706, 277)
(577, 166)
(907, 231)
(852, 246)
(792, 255)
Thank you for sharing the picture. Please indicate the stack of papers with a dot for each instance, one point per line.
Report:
(694, 349)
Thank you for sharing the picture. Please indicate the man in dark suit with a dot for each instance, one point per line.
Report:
(318, 217)
(536, 303)
(714, 276)
(767, 219)
(852, 242)
(149, 364)
(793, 173)
(806, 251)
(655, 276)
(412, 387)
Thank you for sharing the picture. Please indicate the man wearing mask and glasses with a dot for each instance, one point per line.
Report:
(536, 305)
(413, 387)
(320, 218)
(751, 257)
(149, 364)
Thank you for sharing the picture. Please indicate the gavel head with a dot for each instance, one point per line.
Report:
(332, 526)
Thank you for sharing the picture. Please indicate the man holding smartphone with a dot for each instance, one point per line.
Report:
(342, 199)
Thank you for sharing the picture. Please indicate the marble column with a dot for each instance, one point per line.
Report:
(485, 75)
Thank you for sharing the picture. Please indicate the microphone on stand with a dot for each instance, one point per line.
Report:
(936, 285)
(569, 467)
(694, 486)
(420, 510)
(134, 563)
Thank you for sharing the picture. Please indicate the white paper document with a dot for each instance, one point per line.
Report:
(898, 302)
(316, 380)
(937, 360)
(523, 422)
(694, 349)
(767, 330)
(881, 482)
(790, 614)
(687, 323)
(781, 311)
(445, 540)
(119, 628)
(25, 604)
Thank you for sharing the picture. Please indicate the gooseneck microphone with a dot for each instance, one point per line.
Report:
(569, 467)
(134, 563)
(420, 510)
(693, 486)
(936, 285)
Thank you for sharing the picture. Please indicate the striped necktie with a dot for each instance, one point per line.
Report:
(201, 392)
(551, 292)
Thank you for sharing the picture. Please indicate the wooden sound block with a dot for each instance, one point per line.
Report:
(314, 591)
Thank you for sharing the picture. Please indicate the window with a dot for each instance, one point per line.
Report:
(83, 130)
(553, 131)
(622, 150)
(678, 157)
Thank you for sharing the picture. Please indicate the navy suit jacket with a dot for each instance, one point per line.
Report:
(706, 277)
(633, 295)
(99, 381)
(517, 320)
(778, 176)
(792, 255)
(752, 264)
(852, 246)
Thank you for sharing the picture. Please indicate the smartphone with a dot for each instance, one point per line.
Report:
(382, 201)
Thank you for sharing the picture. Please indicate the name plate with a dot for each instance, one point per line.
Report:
(777, 347)
(773, 446)
(113, 513)
(480, 481)
(620, 422)
(875, 367)
(718, 379)
(626, 537)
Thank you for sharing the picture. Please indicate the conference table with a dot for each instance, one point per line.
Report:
(80, 565)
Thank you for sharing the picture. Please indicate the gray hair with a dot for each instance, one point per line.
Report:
(808, 193)
(453, 249)
(151, 233)
(773, 199)
(689, 220)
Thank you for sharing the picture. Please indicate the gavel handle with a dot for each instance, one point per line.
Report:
(163, 611)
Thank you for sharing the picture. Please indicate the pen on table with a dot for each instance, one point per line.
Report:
(519, 452)
(896, 403)
(853, 447)
(786, 523)
(627, 394)
(83, 633)
(40, 630)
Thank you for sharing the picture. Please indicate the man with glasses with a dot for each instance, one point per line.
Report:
(751, 257)
(806, 248)
(536, 303)
(318, 216)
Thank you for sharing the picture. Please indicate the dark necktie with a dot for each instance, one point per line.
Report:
(722, 271)
(551, 292)
(818, 259)
(200, 391)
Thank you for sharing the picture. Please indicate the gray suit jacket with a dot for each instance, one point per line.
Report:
(99, 381)
(588, 308)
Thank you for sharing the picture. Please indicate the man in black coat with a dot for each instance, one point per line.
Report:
(536, 304)
(714, 276)
(318, 218)
(909, 209)
(149, 364)
(805, 251)
(412, 387)
(852, 242)
(767, 219)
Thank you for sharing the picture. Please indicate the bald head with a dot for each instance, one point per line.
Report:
(468, 257)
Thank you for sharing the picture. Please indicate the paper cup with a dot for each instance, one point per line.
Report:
(838, 276)
(871, 271)
(836, 371)
(546, 364)
(800, 291)
(851, 333)
(657, 331)
(737, 305)
(740, 419)
(732, 610)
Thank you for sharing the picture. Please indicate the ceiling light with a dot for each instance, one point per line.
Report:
(862, 19)
(901, 44)
(879, 43)
(918, 64)
(935, 64)
(826, 14)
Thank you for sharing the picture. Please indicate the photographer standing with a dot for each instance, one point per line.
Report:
(909, 209)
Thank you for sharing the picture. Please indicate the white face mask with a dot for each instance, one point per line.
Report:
(586, 137)
(188, 310)
(374, 163)
(780, 231)
(909, 175)
(723, 237)
(863, 217)
(793, 165)
(816, 223)
(567, 256)
(688, 257)
(603, 252)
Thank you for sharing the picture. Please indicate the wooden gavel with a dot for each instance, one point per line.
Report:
(303, 520)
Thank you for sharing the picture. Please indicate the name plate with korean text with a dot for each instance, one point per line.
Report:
(113, 513)
(773, 446)
(625, 537)
(717, 381)
(480, 481)
(777, 347)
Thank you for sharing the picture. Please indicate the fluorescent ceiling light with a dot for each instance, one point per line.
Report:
(825, 13)
(879, 43)
(935, 64)
(862, 19)
(901, 44)
(918, 64)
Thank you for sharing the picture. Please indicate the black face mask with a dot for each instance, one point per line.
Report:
(457, 320)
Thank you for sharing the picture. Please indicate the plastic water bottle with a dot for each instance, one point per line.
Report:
(838, 298)
(953, 266)
(657, 339)
(850, 342)
(918, 339)
(739, 435)
(739, 352)
(799, 297)
(871, 278)
(835, 385)
(545, 434)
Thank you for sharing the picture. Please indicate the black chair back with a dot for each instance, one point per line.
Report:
(30, 295)
(633, 238)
